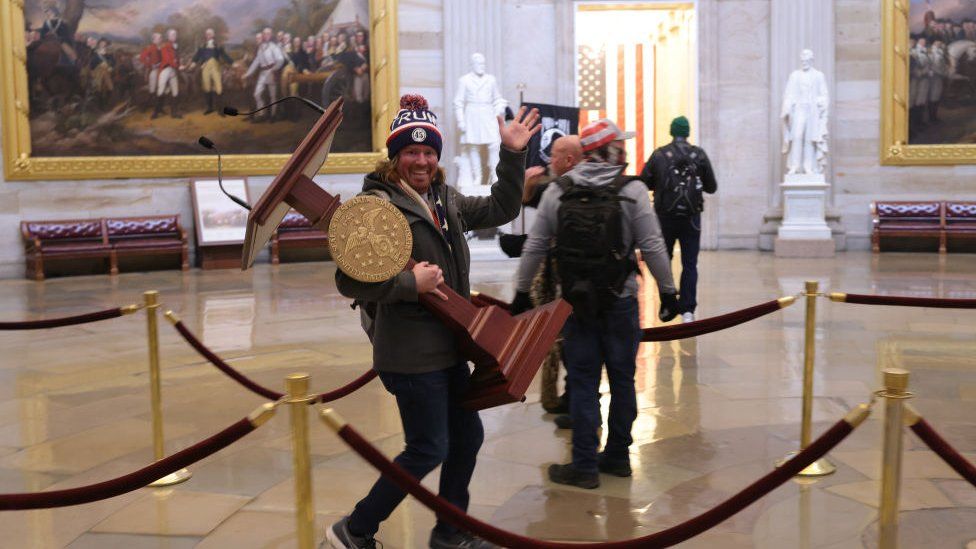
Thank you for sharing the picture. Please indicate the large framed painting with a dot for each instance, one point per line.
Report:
(928, 95)
(124, 88)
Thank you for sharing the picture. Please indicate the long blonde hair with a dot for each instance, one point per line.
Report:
(386, 169)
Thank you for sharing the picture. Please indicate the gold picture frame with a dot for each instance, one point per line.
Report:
(895, 148)
(19, 164)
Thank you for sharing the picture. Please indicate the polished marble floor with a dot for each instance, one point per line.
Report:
(715, 412)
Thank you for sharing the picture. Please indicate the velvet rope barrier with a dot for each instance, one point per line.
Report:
(142, 477)
(69, 320)
(665, 538)
(940, 446)
(903, 301)
(252, 385)
(680, 331)
(715, 323)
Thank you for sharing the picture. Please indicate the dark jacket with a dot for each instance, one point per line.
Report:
(406, 337)
(655, 170)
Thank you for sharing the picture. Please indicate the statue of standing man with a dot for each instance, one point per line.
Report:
(477, 103)
(805, 103)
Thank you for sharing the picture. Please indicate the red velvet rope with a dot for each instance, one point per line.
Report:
(948, 454)
(677, 331)
(664, 538)
(934, 302)
(130, 482)
(64, 321)
(347, 389)
(240, 378)
(261, 390)
(709, 325)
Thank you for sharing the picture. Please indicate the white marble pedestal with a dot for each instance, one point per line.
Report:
(804, 231)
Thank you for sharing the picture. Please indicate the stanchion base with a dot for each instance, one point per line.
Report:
(182, 475)
(819, 468)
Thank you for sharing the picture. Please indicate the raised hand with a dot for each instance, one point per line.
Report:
(516, 134)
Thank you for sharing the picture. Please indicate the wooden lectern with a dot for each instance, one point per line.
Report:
(507, 351)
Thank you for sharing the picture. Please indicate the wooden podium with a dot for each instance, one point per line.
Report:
(507, 351)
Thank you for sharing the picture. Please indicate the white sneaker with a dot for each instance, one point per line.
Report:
(687, 317)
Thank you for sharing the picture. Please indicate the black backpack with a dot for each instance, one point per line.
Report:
(680, 194)
(591, 260)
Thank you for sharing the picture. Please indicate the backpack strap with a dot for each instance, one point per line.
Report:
(565, 183)
(622, 181)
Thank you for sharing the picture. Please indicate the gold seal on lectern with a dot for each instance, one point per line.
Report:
(370, 239)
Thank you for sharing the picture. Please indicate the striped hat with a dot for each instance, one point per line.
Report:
(414, 125)
(597, 134)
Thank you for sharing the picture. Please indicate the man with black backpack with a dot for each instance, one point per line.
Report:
(598, 217)
(679, 173)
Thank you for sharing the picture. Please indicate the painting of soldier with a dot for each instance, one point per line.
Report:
(124, 77)
(942, 72)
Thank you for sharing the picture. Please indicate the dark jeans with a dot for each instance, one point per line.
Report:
(588, 345)
(438, 431)
(687, 232)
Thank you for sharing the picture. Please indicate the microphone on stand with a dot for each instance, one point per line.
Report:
(208, 144)
(231, 111)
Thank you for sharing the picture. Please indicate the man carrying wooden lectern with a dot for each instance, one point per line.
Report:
(416, 355)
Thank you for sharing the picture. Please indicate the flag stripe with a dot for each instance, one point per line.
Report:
(621, 114)
(639, 114)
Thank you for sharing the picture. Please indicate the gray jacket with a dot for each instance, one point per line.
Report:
(641, 229)
(406, 337)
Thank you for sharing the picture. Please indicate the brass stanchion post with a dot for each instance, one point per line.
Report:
(151, 302)
(298, 397)
(895, 393)
(822, 466)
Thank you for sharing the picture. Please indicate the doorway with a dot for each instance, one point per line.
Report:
(636, 64)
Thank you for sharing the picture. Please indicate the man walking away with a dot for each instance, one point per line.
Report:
(679, 173)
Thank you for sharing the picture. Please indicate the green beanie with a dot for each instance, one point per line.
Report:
(680, 127)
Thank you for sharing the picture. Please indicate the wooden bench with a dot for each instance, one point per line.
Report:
(960, 220)
(106, 239)
(147, 235)
(296, 231)
(908, 219)
(65, 239)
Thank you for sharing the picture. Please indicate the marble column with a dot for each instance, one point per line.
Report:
(795, 25)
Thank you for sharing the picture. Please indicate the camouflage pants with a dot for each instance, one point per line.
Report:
(545, 288)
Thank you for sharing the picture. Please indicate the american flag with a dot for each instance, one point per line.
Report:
(616, 81)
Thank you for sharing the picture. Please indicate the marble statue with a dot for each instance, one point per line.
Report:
(805, 108)
(476, 105)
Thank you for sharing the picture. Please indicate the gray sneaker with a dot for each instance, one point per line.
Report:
(338, 536)
(459, 540)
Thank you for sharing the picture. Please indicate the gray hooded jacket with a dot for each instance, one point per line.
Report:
(641, 229)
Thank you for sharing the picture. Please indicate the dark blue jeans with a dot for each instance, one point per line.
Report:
(687, 232)
(588, 345)
(437, 431)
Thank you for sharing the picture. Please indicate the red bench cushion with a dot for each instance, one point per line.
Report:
(143, 243)
(61, 230)
(917, 210)
(75, 247)
(135, 226)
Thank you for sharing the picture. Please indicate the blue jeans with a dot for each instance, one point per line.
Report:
(437, 431)
(587, 346)
(687, 232)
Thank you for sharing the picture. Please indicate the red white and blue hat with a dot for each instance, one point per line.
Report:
(601, 132)
(414, 124)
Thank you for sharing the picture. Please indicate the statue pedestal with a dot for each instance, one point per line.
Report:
(804, 232)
